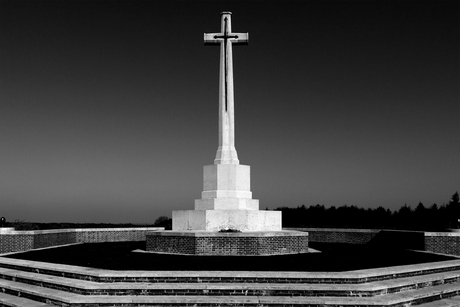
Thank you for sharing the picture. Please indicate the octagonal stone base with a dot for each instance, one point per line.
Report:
(228, 244)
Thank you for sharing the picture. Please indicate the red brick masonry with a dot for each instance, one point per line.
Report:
(15, 241)
(437, 242)
(236, 244)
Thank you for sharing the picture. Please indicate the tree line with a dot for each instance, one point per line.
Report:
(432, 218)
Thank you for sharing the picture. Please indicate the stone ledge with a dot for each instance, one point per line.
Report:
(442, 234)
(198, 233)
(4, 230)
(78, 230)
(61, 298)
(359, 276)
(195, 288)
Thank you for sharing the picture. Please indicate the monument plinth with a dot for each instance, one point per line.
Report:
(226, 201)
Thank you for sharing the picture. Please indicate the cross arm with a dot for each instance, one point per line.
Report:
(241, 39)
(235, 38)
(210, 40)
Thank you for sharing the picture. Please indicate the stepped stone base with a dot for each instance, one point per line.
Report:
(216, 220)
(228, 244)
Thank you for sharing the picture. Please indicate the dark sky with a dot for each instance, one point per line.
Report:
(108, 109)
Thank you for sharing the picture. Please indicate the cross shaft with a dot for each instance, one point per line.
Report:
(226, 153)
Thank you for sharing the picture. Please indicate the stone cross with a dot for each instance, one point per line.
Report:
(226, 201)
(226, 152)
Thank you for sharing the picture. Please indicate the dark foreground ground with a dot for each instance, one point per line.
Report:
(333, 257)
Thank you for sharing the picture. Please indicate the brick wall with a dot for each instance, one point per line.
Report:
(15, 241)
(41, 240)
(436, 242)
(250, 245)
(12, 242)
(334, 235)
(171, 244)
(443, 242)
(225, 244)
(112, 234)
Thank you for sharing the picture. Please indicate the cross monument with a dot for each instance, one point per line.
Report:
(226, 152)
(226, 201)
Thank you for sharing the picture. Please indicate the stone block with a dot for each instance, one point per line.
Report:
(216, 220)
(227, 204)
(227, 177)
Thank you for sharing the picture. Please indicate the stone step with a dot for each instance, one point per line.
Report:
(59, 297)
(17, 301)
(448, 302)
(275, 289)
(350, 277)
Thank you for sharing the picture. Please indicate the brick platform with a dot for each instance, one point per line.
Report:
(228, 244)
(15, 241)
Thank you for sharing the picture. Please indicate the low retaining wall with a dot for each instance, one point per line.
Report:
(436, 242)
(251, 243)
(16, 241)
(443, 242)
(337, 235)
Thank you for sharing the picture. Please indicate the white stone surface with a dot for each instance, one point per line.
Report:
(227, 203)
(226, 187)
(4, 230)
(227, 177)
(226, 152)
(215, 220)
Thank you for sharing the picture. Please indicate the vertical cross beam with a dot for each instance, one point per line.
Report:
(226, 152)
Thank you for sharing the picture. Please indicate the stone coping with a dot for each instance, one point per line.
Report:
(199, 233)
(447, 233)
(67, 230)
(332, 229)
(358, 275)
(4, 230)
(442, 234)
(11, 230)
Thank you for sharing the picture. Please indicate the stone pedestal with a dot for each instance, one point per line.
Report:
(216, 220)
(226, 203)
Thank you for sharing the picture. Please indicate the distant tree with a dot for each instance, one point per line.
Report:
(455, 199)
(419, 221)
(332, 217)
(21, 225)
(453, 211)
(403, 218)
(379, 218)
(434, 218)
(163, 221)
